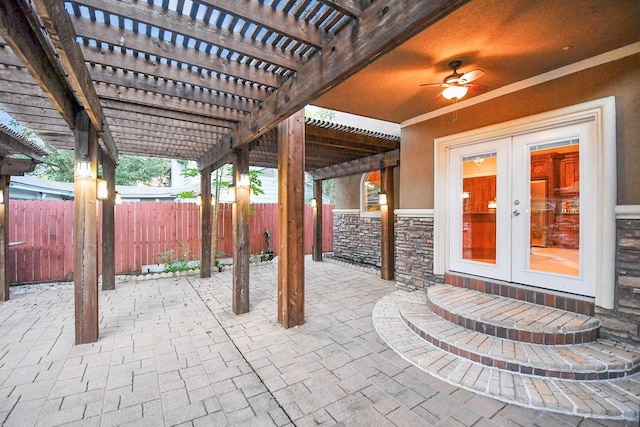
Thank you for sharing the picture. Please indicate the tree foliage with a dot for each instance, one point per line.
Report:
(131, 170)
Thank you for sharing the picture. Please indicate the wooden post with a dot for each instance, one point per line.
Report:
(387, 271)
(108, 226)
(240, 219)
(205, 222)
(291, 140)
(5, 276)
(85, 234)
(317, 221)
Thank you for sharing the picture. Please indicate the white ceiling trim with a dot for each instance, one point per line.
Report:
(585, 64)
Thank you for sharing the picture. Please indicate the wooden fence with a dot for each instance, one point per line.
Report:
(42, 232)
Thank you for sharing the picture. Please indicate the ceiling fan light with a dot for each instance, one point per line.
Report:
(455, 92)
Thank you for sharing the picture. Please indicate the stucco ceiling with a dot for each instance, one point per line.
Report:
(510, 40)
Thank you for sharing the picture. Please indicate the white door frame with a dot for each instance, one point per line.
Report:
(603, 112)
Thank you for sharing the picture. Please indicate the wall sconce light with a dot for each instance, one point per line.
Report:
(1, 196)
(314, 202)
(244, 180)
(118, 198)
(199, 200)
(466, 194)
(455, 91)
(493, 204)
(382, 198)
(231, 191)
(83, 167)
(102, 190)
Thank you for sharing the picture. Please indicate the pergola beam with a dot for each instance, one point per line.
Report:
(362, 165)
(57, 22)
(26, 44)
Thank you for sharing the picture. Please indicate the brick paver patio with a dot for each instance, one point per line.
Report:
(172, 353)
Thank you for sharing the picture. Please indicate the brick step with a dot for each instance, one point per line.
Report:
(596, 360)
(516, 320)
(610, 399)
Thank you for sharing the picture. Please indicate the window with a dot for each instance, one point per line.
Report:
(370, 194)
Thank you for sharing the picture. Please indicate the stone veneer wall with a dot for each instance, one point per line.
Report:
(414, 253)
(357, 239)
(623, 322)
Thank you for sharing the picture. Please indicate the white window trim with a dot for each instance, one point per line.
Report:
(603, 111)
(363, 213)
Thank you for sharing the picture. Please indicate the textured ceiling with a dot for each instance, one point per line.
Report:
(510, 40)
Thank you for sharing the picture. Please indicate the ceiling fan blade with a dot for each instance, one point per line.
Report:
(470, 76)
(435, 84)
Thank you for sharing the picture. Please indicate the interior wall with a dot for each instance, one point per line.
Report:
(619, 78)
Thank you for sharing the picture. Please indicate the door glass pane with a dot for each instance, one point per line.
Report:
(555, 208)
(479, 208)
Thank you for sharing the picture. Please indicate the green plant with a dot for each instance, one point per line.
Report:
(175, 264)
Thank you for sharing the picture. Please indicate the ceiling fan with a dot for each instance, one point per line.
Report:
(456, 85)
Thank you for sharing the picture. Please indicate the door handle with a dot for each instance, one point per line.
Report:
(516, 212)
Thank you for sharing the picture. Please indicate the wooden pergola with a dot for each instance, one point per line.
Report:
(216, 81)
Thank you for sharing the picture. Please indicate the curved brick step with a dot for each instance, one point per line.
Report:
(508, 318)
(589, 361)
(610, 399)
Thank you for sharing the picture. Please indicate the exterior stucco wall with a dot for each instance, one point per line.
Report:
(348, 192)
(619, 78)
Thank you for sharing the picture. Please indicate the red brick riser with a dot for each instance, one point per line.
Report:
(512, 334)
(530, 295)
(516, 367)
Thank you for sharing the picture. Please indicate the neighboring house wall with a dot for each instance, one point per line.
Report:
(620, 79)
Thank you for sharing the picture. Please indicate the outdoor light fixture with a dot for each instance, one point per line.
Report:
(101, 189)
(455, 91)
(83, 167)
(382, 198)
(314, 202)
(199, 200)
(118, 198)
(231, 191)
(244, 180)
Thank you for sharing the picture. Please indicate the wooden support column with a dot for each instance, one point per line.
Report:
(108, 226)
(5, 276)
(317, 221)
(290, 218)
(387, 217)
(240, 219)
(85, 237)
(205, 222)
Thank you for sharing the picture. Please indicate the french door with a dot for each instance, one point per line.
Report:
(522, 209)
